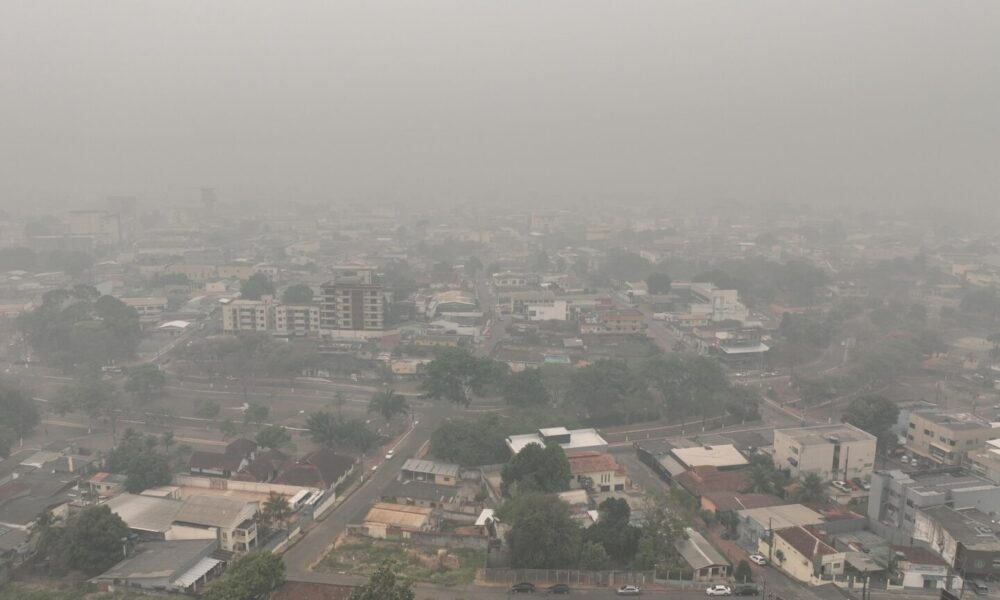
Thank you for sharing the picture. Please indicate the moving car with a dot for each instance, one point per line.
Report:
(559, 588)
(390, 454)
(525, 587)
(719, 590)
(758, 559)
(629, 590)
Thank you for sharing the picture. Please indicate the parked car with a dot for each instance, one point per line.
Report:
(390, 454)
(862, 483)
(525, 587)
(719, 590)
(746, 589)
(758, 559)
(559, 588)
(854, 487)
(841, 485)
(979, 588)
(629, 590)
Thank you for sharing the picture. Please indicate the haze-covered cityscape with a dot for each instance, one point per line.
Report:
(467, 300)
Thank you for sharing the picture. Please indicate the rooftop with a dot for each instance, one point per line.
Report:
(782, 517)
(145, 513)
(213, 511)
(725, 501)
(805, 542)
(591, 462)
(826, 434)
(431, 467)
(161, 560)
(579, 439)
(710, 456)
(698, 552)
(953, 421)
(973, 528)
(399, 515)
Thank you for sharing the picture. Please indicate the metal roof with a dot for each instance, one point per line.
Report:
(429, 466)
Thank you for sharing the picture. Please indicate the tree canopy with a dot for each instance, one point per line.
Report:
(658, 283)
(299, 293)
(145, 382)
(273, 436)
(455, 370)
(383, 585)
(136, 458)
(536, 469)
(90, 542)
(256, 286)
(388, 404)
(875, 414)
(471, 443)
(334, 430)
(249, 577)
(542, 533)
(524, 388)
(18, 415)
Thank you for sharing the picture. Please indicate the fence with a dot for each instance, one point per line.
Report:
(570, 577)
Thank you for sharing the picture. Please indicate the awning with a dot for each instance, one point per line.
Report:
(196, 572)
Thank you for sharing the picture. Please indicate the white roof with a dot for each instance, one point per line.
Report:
(724, 455)
(781, 517)
(195, 573)
(579, 439)
(549, 431)
(175, 325)
(484, 516)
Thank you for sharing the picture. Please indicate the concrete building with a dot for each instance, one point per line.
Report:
(353, 301)
(707, 563)
(246, 315)
(986, 462)
(557, 311)
(182, 566)
(840, 451)
(721, 456)
(296, 320)
(100, 225)
(799, 553)
(946, 438)
(517, 302)
(576, 439)
(228, 521)
(386, 520)
(967, 539)
(150, 309)
(920, 568)
(600, 472)
(432, 471)
(896, 498)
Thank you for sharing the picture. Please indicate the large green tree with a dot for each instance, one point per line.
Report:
(384, 585)
(542, 533)
(875, 414)
(471, 443)
(250, 577)
(256, 286)
(297, 294)
(18, 415)
(90, 542)
(614, 532)
(658, 283)
(536, 469)
(145, 382)
(273, 436)
(136, 458)
(455, 371)
(334, 430)
(524, 388)
(388, 404)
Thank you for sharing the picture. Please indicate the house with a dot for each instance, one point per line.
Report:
(228, 521)
(322, 468)
(24, 497)
(756, 524)
(386, 520)
(839, 451)
(702, 480)
(968, 539)
(576, 439)
(706, 562)
(412, 492)
(597, 472)
(986, 462)
(728, 501)
(440, 473)
(106, 484)
(237, 455)
(920, 568)
(799, 553)
(183, 566)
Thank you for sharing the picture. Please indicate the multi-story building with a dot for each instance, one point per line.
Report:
(100, 225)
(896, 498)
(986, 463)
(840, 451)
(946, 438)
(246, 315)
(353, 301)
(150, 309)
(296, 320)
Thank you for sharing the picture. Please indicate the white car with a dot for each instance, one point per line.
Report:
(390, 454)
(758, 559)
(629, 590)
(842, 486)
(719, 590)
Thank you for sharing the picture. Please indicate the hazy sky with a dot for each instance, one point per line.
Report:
(860, 101)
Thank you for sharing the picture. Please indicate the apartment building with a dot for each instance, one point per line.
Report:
(840, 451)
(296, 320)
(150, 309)
(986, 462)
(246, 315)
(353, 301)
(946, 438)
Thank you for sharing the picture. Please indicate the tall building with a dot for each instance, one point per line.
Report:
(296, 320)
(946, 438)
(353, 301)
(246, 315)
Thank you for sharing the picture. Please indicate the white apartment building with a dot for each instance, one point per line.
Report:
(296, 320)
(246, 315)
(840, 451)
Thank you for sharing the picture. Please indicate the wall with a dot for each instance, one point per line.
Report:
(246, 486)
(448, 540)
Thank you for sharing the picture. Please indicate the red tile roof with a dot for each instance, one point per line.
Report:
(703, 480)
(733, 500)
(919, 556)
(805, 542)
(581, 463)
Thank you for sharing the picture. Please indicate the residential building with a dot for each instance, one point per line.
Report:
(707, 303)
(296, 320)
(24, 497)
(707, 563)
(246, 315)
(799, 552)
(322, 468)
(703, 480)
(720, 456)
(228, 521)
(986, 462)
(386, 520)
(353, 301)
(150, 309)
(510, 280)
(557, 311)
(945, 438)
(431, 471)
(757, 524)
(413, 492)
(896, 498)
(576, 439)
(615, 321)
(517, 302)
(597, 472)
(920, 568)
(238, 454)
(451, 302)
(182, 566)
(100, 225)
(968, 539)
(106, 484)
(840, 451)
(731, 501)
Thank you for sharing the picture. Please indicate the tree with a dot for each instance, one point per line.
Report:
(603, 388)
(542, 534)
(658, 283)
(88, 395)
(593, 557)
(167, 440)
(454, 371)
(758, 479)
(743, 573)
(91, 541)
(383, 585)
(250, 577)
(256, 286)
(273, 436)
(663, 524)
(874, 414)
(206, 409)
(388, 404)
(473, 266)
(524, 388)
(135, 457)
(810, 489)
(255, 414)
(297, 294)
(536, 469)
(323, 427)
(276, 508)
(18, 413)
(228, 429)
(613, 530)
(330, 430)
(471, 443)
(339, 400)
(145, 382)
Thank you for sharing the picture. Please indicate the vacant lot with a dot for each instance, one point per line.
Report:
(360, 557)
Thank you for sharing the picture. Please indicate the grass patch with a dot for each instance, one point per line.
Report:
(361, 558)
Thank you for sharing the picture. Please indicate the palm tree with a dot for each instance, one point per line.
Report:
(810, 488)
(388, 404)
(323, 428)
(758, 479)
(276, 508)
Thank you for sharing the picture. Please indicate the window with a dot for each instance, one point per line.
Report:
(909, 436)
(929, 432)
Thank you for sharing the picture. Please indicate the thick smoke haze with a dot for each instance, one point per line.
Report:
(861, 103)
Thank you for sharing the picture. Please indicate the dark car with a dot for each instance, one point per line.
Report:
(745, 590)
(559, 588)
(524, 587)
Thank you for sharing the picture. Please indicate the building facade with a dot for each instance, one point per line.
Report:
(840, 451)
(946, 438)
(296, 320)
(353, 301)
(246, 315)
